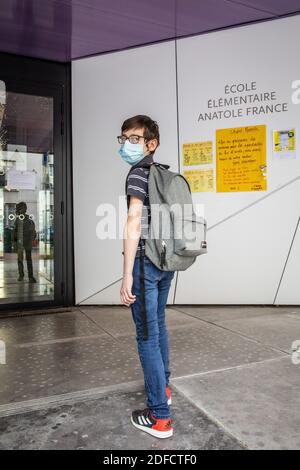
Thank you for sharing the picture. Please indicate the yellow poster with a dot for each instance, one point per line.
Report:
(197, 153)
(284, 144)
(241, 159)
(200, 180)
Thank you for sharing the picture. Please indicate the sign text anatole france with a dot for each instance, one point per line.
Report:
(242, 100)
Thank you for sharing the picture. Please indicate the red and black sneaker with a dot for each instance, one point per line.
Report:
(168, 392)
(145, 421)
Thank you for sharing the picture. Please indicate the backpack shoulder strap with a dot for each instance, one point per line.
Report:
(147, 165)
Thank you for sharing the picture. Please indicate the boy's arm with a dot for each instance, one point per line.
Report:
(132, 233)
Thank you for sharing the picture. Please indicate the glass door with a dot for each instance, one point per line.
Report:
(30, 186)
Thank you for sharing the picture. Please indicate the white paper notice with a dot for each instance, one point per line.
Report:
(21, 179)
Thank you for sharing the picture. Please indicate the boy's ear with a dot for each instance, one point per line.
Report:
(154, 142)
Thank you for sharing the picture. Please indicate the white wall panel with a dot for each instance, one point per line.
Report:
(246, 257)
(247, 251)
(105, 91)
(289, 290)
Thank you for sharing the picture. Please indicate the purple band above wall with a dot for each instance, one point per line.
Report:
(63, 30)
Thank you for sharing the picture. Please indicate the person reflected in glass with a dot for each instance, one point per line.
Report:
(24, 235)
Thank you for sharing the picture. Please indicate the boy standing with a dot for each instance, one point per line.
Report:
(139, 140)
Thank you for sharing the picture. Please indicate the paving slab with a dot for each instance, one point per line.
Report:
(105, 424)
(118, 321)
(276, 331)
(215, 314)
(42, 370)
(43, 328)
(259, 403)
(208, 347)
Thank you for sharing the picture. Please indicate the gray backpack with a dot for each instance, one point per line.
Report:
(176, 234)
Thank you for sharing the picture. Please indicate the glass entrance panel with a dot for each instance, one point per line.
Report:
(26, 197)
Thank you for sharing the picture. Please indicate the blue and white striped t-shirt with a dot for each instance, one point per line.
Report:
(137, 185)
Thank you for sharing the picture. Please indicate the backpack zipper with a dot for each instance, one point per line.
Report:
(163, 254)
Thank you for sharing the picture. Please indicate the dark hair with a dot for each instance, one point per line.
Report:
(21, 205)
(151, 129)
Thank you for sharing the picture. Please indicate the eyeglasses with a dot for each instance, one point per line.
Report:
(133, 138)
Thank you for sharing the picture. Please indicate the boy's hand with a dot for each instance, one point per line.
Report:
(125, 292)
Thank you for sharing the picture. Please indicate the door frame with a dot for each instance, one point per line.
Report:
(47, 78)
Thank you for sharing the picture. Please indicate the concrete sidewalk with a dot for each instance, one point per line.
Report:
(72, 379)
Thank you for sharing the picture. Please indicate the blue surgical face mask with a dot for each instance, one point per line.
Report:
(131, 153)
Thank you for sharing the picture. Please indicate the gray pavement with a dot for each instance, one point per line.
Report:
(71, 379)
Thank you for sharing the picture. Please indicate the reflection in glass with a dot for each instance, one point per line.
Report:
(26, 198)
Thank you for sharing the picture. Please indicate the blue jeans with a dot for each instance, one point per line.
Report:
(153, 352)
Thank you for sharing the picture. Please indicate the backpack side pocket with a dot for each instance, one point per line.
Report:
(190, 235)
